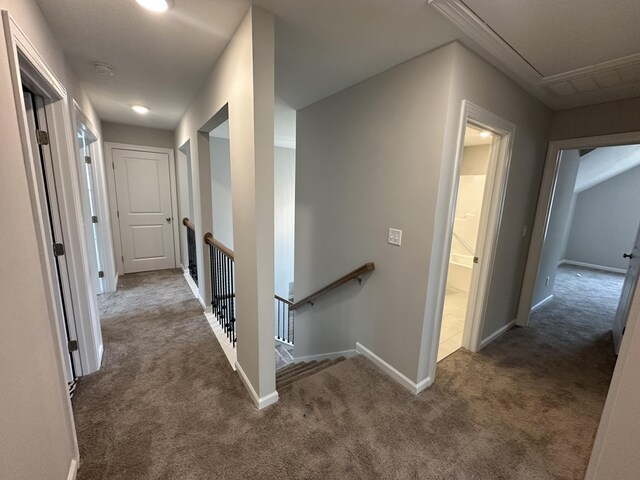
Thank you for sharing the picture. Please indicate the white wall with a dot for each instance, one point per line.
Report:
(284, 218)
(553, 250)
(38, 437)
(605, 222)
(243, 82)
(221, 191)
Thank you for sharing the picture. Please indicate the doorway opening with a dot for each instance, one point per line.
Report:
(587, 261)
(475, 201)
(45, 176)
(471, 186)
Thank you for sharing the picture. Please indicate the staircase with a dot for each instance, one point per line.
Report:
(297, 371)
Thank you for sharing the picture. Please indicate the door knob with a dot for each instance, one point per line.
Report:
(168, 219)
(627, 255)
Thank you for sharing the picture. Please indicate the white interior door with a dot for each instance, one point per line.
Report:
(143, 190)
(628, 289)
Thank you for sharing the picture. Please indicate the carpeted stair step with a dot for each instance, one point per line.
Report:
(302, 367)
(287, 368)
(318, 367)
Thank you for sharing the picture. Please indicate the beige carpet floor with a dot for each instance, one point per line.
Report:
(166, 404)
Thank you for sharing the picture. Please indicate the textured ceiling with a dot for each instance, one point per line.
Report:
(558, 36)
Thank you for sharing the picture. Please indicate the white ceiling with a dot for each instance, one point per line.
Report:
(566, 53)
(604, 163)
(324, 46)
(162, 60)
(558, 36)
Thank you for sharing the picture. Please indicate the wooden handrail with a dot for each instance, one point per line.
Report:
(187, 223)
(354, 275)
(208, 239)
(288, 302)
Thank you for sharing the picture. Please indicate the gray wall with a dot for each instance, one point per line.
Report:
(134, 135)
(483, 85)
(221, 191)
(601, 119)
(371, 157)
(555, 242)
(605, 222)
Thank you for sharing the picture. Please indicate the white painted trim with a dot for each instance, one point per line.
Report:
(325, 356)
(282, 342)
(543, 210)
(73, 469)
(394, 373)
(260, 402)
(478, 30)
(17, 42)
(593, 266)
(541, 302)
(194, 288)
(109, 147)
(501, 331)
(490, 224)
(227, 347)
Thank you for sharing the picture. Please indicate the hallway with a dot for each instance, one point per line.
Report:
(167, 405)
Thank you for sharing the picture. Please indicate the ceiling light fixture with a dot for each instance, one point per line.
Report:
(141, 109)
(103, 69)
(158, 6)
(485, 134)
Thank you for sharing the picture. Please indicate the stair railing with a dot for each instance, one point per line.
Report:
(284, 320)
(356, 274)
(223, 296)
(191, 249)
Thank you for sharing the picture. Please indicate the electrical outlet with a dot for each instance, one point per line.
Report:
(546, 282)
(395, 237)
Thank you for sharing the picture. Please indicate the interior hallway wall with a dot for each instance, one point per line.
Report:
(284, 218)
(136, 135)
(605, 222)
(221, 191)
(38, 437)
(366, 160)
(242, 84)
(553, 250)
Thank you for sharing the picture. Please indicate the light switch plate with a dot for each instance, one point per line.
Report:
(395, 237)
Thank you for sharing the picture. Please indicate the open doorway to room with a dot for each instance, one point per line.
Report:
(478, 185)
(586, 267)
(464, 239)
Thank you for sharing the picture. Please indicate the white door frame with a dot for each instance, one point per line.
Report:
(101, 197)
(543, 210)
(113, 199)
(495, 191)
(28, 67)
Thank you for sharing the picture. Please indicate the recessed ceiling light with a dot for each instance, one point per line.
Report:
(485, 134)
(155, 5)
(141, 109)
(103, 69)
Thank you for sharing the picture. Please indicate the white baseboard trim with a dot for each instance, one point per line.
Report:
(541, 302)
(497, 333)
(398, 376)
(593, 266)
(194, 289)
(73, 469)
(225, 344)
(260, 402)
(282, 342)
(324, 356)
